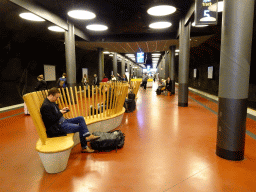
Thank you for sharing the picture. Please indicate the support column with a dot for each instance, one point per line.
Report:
(115, 64)
(184, 63)
(123, 67)
(166, 64)
(101, 63)
(235, 61)
(172, 67)
(128, 70)
(70, 52)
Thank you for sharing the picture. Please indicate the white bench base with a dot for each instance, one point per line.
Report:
(57, 162)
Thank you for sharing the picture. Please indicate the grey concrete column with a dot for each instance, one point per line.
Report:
(128, 70)
(131, 69)
(166, 64)
(235, 58)
(184, 63)
(101, 64)
(70, 52)
(115, 64)
(172, 67)
(123, 67)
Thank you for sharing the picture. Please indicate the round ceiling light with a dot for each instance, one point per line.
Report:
(97, 27)
(80, 14)
(31, 17)
(56, 29)
(160, 25)
(161, 10)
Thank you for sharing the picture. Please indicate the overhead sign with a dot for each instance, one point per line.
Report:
(206, 12)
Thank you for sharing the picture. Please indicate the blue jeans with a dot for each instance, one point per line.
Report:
(74, 125)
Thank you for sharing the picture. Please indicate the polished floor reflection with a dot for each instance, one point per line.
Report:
(167, 148)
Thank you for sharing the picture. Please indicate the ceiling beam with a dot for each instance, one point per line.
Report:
(47, 15)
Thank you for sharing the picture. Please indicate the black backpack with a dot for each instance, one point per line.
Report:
(108, 141)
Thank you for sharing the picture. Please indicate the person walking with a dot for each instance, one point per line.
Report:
(144, 81)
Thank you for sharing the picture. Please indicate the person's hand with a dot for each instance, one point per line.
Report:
(64, 110)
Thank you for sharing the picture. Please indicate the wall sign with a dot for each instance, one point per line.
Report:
(49, 73)
(204, 15)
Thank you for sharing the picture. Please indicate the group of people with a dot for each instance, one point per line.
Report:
(96, 81)
(165, 85)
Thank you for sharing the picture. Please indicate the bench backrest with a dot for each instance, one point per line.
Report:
(79, 103)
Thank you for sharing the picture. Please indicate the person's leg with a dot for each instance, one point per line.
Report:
(77, 125)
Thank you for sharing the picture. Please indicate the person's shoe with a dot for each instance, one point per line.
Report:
(87, 150)
(92, 138)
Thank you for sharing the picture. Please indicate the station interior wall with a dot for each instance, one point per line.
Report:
(23, 60)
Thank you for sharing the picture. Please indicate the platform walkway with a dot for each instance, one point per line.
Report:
(167, 148)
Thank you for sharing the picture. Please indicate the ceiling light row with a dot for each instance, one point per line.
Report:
(161, 10)
(75, 14)
(86, 15)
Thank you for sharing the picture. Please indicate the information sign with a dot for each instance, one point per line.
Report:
(204, 15)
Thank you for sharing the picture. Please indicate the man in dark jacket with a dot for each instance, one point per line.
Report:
(95, 80)
(56, 125)
(41, 83)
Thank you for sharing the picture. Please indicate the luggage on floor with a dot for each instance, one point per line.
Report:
(129, 105)
(108, 141)
(131, 96)
(158, 91)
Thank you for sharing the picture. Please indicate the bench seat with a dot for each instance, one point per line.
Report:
(56, 144)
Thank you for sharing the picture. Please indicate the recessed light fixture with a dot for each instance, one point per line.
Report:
(106, 52)
(177, 50)
(194, 25)
(208, 19)
(31, 17)
(81, 14)
(160, 25)
(220, 6)
(97, 27)
(156, 54)
(161, 10)
(56, 29)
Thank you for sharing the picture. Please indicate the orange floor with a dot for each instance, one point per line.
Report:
(167, 148)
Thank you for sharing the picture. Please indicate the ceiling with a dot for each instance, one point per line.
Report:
(128, 23)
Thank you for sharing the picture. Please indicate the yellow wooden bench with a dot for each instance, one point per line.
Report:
(54, 152)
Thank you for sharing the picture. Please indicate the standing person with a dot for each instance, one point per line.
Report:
(144, 81)
(119, 78)
(105, 79)
(56, 125)
(95, 80)
(125, 78)
(85, 80)
(113, 78)
(41, 83)
(62, 81)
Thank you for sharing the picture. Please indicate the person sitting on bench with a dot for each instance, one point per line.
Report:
(56, 125)
(161, 85)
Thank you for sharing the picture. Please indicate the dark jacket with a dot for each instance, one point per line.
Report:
(168, 85)
(51, 118)
(41, 85)
(95, 81)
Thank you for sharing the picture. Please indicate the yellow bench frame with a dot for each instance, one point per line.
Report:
(54, 152)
